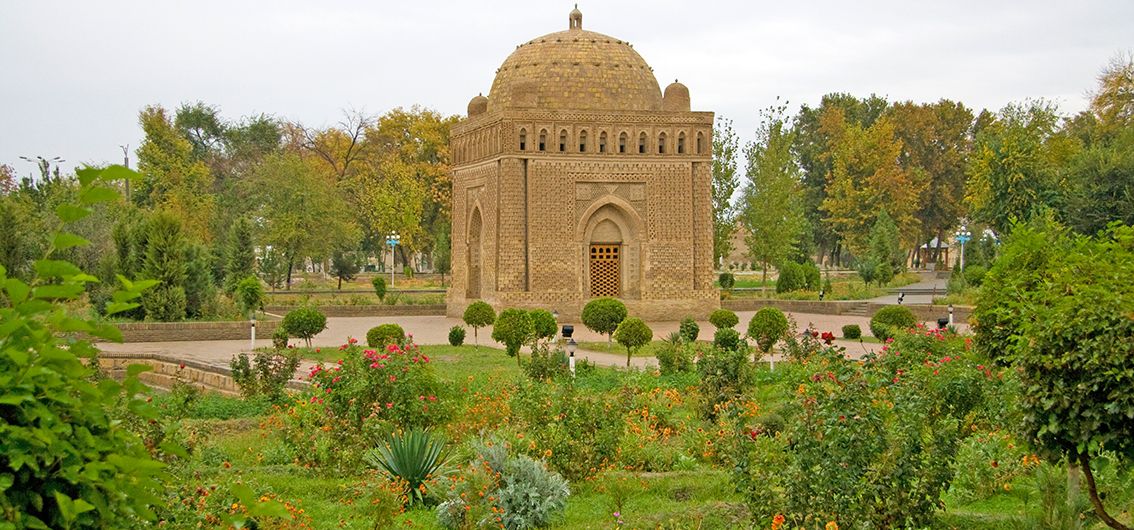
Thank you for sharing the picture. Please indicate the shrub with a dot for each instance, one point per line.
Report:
(478, 315)
(164, 303)
(304, 322)
(957, 282)
(810, 275)
(767, 327)
(791, 278)
(974, 275)
(513, 328)
(689, 329)
(603, 315)
(675, 358)
(546, 363)
(384, 335)
(279, 338)
(725, 375)
(726, 339)
(723, 318)
(543, 324)
(266, 374)
(633, 333)
(891, 319)
(379, 284)
(412, 457)
(727, 280)
(852, 331)
(456, 336)
(249, 295)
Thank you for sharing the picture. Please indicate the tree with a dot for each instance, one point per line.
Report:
(1013, 172)
(513, 328)
(239, 253)
(884, 252)
(771, 210)
(1112, 103)
(1057, 308)
(304, 322)
(633, 333)
(477, 315)
(172, 178)
(443, 253)
(345, 265)
(767, 327)
(867, 177)
(273, 268)
(165, 261)
(725, 181)
(249, 295)
(544, 325)
(602, 315)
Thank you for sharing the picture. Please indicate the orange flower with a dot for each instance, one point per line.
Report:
(831, 526)
(778, 521)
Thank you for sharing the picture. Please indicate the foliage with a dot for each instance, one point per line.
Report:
(345, 265)
(544, 326)
(689, 329)
(456, 336)
(165, 261)
(767, 327)
(279, 338)
(66, 462)
(957, 282)
(498, 489)
(239, 257)
(974, 275)
(675, 358)
(478, 315)
(546, 363)
(810, 275)
(633, 333)
(723, 318)
(379, 284)
(1069, 310)
(726, 280)
(267, 374)
(725, 182)
(249, 295)
(273, 268)
(585, 437)
(791, 278)
(411, 457)
(888, 321)
(304, 322)
(725, 375)
(384, 335)
(771, 208)
(727, 339)
(603, 315)
(513, 328)
(173, 181)
(852, 332)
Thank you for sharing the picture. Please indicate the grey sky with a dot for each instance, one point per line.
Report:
(75, 74)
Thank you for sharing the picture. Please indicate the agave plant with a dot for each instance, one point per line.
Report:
(412, 456)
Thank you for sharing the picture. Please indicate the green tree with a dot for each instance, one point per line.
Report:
(443, 253)
(767, 327)
(1058, 310)
(165, 261)
(304, 322)
(884, 253)
(345, 265)
(603, 315)
(632, 333)
(173, 179)
(249, 295)
(513, 328)
(725, 181)
(478, 315)
(1112, 103)
(199, 290)
(239, 253)
(771, 211)
(544, 325)
(273, 268)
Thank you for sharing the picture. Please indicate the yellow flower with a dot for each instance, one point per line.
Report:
(832, 526)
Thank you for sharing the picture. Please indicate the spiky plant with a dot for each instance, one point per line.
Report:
(413, 456)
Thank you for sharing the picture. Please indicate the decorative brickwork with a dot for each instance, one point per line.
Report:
(576, 146)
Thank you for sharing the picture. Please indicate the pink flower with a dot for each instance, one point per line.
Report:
(374, 365)
(389, 405)
(352, 340)
(393, 378)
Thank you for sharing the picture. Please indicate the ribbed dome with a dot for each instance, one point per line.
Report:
(575, 69)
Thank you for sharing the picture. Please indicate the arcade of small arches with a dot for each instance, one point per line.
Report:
(475, 146)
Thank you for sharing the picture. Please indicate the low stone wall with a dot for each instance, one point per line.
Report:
(368, 310)
(167, 370)
(795, 306)
(930, 313)
(194, 331)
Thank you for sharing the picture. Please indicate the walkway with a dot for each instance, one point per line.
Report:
(922, 292)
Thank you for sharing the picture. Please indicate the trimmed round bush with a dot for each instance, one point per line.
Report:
(512, 328)
(279, 338)
(723, 318)
(792, 278)
(891, 319)
(727, 280)
(689, 329)
(603, 315)
(726, 339)
(304, 322)
(633, 333)
(478, 315)
(456, 336)
(543, 323)
(249, 295)
(767, 327)
(379, 284)
(811, 275)
(974, 275)
(852, 331)
(384, 335)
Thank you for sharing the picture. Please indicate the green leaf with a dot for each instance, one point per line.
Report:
(53, 268)
(109, 332)
(64, 240)
(69, 213)
(6, 481)
(17, 290)
(119, 172)
(66, 507)
(113, 308)
(87, 175)
(54, 292)
(13, 399)
(97, 194)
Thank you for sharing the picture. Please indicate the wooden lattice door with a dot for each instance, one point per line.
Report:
(606, 269)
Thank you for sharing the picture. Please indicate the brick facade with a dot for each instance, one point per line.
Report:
(576, 145)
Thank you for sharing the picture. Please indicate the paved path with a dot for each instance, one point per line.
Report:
(428, 330)
(929, 282)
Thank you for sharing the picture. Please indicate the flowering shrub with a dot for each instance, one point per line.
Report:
(675, 358)
(725, 374)
(578, 432)
(653, 427)
(987, 462)
(265, 375)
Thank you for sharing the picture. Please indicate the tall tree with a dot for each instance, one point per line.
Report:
(173, 179)
(239, 253)
(867, 177)
(1113, 101)
(725, 181)
(772, 210)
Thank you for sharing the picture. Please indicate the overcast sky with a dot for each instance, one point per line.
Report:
(73, 75)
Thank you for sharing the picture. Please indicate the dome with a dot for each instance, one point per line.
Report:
(676, 97)
(478, 105)
(576, 70)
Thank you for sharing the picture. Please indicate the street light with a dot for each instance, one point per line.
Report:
(963, 236)
(392, 240)
(569, 330)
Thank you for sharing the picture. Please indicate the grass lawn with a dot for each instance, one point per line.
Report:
(649, 350)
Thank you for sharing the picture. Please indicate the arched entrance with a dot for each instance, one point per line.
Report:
(474, 240)
(611, 250)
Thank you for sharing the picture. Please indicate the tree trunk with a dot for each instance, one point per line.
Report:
(340, 283)
(1085, 464)
(764, 278)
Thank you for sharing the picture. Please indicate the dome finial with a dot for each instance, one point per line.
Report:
(575, 19)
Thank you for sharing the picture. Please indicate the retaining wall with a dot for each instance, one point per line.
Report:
(194, 331)
(368, 310)
(923, 312)
(168, 369)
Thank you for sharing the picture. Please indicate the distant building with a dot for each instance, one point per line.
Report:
(577, 178)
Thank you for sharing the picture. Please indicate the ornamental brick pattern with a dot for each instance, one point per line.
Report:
(575, 146)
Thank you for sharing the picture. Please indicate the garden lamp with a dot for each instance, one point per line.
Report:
(950, 314)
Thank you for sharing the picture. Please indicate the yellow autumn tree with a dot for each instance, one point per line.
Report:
(172, 180)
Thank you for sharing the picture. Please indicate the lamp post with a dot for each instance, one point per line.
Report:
(963, 236)
(569, 330)
(392, 240)
(950, 314)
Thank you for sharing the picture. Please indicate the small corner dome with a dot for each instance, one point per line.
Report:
(478, 105)
(676, 97)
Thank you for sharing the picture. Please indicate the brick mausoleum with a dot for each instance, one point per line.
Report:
(577, 178)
